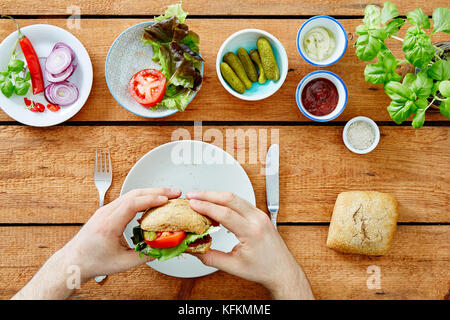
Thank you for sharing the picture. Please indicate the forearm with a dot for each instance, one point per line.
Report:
(53, 281)
(294, 286)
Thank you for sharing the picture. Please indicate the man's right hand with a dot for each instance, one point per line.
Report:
(261, 256)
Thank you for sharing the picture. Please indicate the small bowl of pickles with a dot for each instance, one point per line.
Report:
(252, 64)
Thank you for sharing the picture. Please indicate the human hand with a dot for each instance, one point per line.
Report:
(97, 248)
(261, 256)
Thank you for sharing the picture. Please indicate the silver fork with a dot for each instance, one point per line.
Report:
(102, 180)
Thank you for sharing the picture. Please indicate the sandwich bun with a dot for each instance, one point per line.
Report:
(175, 215)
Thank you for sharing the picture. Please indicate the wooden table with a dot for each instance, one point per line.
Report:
(47, 190)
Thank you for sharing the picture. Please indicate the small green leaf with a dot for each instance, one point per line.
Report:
(21, 88)
(400, 111)
(16, 66)
(440, 70)
(418, 18)
(444, 88)
(7, 88)
(372, 16)
(4, 76)
(27, 76)
(422, 85)
(394, 26)
(399, 92)
(388, 12)
(418, 48)
(445, 107)
(367, 47)
(419, 116)
(441, 20)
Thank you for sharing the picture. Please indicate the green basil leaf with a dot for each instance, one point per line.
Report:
(361, 29)
(400, 111)
(16, 65)
(418, 48)
(4, 76)
(367, 47)
(393, 26)
(382, 71)
(419, 116)
(375, 73)
(435, 87)
(21, 87)
(445, 107)
(444, 88)
(388, 12)
(27, 76)
(441, 20)
(399, 92)
(422, 85)
(408, 80)
(7, 88)
(418, 18)
(440, 70)
(372, 16)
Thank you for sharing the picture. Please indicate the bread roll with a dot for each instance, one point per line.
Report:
(363, 222)
(176, 215)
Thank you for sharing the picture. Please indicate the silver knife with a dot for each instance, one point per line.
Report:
(272, 182)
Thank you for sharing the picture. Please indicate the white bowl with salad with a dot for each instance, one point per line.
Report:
(154, 69)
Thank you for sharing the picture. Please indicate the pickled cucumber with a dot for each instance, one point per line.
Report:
(249, 67)
(268, 59)
(254, 55)
(235, 64)
(231, 78)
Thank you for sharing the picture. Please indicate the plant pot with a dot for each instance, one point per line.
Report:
(445, 46)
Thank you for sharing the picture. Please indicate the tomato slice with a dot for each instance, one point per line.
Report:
(167, 239)
(147, 87)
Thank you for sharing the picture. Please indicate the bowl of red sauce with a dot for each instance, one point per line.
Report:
(321, 96)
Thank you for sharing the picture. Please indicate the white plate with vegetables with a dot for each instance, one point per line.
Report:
(57, 91)
(189, 166)
(154, 69)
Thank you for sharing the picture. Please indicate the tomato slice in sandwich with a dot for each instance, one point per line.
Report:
(166, 239)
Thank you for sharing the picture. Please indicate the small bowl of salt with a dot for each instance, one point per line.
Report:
(361, 135)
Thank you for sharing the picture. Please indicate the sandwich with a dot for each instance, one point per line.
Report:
(167, 231)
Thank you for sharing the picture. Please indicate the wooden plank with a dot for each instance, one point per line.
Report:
(416, 268)
(201, 7)
(46, 174)
(213, 102)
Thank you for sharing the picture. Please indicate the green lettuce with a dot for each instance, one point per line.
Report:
(166, 253)
(176, 50)
(174, 10)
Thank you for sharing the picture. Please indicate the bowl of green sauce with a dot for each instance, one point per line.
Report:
(322, 41)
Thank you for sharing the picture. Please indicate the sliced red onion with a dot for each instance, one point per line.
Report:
(62, 93)
(63, 45)
(62, 76)
(58, 60)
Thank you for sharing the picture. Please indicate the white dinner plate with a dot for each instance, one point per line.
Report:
(43, 37)
(189, 166)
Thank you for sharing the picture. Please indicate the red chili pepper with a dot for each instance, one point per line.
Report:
(37, 79)
(34, 107)
(53, 107)
(27, 102)
(40, 106)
